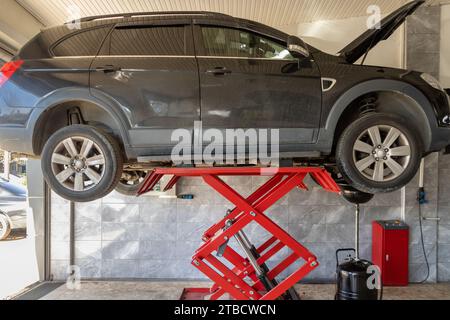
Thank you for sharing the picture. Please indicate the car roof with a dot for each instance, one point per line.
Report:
(95, 21)
(51, 35)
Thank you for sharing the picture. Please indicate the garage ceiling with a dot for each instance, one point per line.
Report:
(275, 13)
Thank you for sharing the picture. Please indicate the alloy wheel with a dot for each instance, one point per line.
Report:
(5, 226)
(78, 164)
(2, 226)
(382, 153)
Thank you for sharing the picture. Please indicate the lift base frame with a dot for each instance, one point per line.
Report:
(247, 276)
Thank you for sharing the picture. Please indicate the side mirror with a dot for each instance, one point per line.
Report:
(297, 47)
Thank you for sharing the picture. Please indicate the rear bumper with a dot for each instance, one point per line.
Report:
(19, 138)
(16, 139)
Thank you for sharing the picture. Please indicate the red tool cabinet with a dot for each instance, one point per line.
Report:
(390, 251)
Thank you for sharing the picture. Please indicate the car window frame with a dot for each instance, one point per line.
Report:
(107, 27)
(105, 50)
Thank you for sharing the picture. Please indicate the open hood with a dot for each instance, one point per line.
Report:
(372, 37)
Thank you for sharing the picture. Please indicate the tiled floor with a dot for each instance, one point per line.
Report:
(172, 291)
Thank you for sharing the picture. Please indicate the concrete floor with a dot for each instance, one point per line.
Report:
(18, 266)
(172, 291)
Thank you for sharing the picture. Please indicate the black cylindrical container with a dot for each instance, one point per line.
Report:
(352, 280)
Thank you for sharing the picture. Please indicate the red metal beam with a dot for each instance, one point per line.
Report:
(320, 174)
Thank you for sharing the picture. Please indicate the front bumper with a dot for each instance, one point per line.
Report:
(441, 135)
(441, 139)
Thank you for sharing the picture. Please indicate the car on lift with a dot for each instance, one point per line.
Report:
(98, 103)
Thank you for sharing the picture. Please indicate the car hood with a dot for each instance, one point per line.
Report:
(372, 37)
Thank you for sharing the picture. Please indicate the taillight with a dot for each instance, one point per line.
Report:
(8, 69)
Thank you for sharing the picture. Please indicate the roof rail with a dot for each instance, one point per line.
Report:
(155, 13)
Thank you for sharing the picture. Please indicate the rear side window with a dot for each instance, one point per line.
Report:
(167, 40)
(85, 43)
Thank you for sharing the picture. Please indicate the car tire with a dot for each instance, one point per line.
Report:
(130, 187)
(379, 153)
(81, 163)
(5, 226)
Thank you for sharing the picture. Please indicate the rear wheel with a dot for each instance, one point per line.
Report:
(379, 153)
(5, 226)
(81, 163)
(131, 182)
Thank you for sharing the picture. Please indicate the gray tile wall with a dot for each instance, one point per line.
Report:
(418, 267)
(444, 225)
(423, 40)
(423, 48)
(124, 237)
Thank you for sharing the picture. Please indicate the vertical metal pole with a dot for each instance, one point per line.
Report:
(422, 174)
(72, 233)
(438, 214)
(6, 164)
(357, 213)
(403, 204)
(48, 231)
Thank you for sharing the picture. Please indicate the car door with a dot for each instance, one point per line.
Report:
(150, 70)
(250, 80)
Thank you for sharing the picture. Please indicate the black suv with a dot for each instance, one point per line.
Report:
(99, 104)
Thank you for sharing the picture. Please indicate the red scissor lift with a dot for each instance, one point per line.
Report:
(249, 277)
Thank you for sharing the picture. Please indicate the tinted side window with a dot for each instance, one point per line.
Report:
(85, 43)
(167, 40)
(227, 42)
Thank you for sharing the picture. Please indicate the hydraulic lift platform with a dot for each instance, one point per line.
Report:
(246, 276)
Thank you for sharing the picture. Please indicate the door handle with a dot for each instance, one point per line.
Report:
(108, 69)
(219, 71)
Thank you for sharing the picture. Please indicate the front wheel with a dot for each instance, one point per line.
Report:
(5, 226)
(379, 153)
(81, 163)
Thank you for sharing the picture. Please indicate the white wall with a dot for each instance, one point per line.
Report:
(17, 26)
(445, 46)
(333, 35)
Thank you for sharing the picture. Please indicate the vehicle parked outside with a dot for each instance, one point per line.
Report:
(13, 210)
(99, 104)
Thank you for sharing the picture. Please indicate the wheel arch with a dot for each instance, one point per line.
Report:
(393, 97)
(52, 116)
